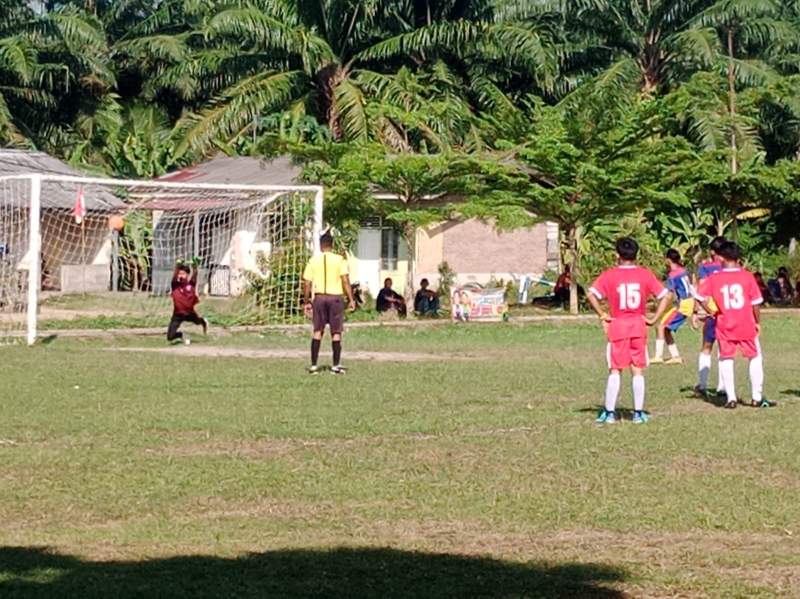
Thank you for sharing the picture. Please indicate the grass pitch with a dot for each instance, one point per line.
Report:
(476, 470)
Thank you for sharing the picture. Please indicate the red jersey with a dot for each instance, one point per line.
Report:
(626, 288)
(734, 291)
(184, 296)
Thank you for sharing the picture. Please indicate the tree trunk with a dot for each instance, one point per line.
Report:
(573, 239)
(732, 111)
(329, 77)
(732, 103)
(410, 236)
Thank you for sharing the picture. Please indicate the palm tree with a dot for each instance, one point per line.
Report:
(51, 66)
(338, 60)
(644, 46)
(19, 67)
(743, 25)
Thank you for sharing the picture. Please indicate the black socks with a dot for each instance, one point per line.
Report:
(315, 343)
(337, 352)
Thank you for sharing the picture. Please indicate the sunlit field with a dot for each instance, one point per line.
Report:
(451, 461)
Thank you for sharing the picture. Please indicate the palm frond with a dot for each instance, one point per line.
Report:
(236, 109)
(170, 48)
(348, 110)
(18, 56)
(454, 37)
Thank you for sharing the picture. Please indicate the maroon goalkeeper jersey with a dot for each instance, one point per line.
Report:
(184, 296)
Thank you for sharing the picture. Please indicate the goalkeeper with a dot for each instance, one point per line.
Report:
(184, 300)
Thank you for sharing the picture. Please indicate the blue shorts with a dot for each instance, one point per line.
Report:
(673, 320)
(710, 330)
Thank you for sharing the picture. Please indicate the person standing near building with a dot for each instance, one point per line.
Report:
(326, 276)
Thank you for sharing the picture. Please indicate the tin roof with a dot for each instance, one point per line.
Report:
(242, 170)
(55, 194)
(24, 162)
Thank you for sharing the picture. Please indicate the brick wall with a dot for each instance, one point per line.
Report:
(477, 247)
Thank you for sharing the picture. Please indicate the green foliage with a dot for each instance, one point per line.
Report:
(447, 278)
(684, 112)
(277, 287)
(135, 248)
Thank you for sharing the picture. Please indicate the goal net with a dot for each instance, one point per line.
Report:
(81, 252)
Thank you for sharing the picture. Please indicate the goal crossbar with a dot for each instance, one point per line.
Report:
(163, 184)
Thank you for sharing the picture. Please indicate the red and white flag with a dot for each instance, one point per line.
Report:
(79, 212)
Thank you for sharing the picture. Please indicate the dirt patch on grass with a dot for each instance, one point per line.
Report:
(292, 354)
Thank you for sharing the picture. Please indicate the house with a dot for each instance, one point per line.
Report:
(475, 250)
(74, 258)
(227, 241)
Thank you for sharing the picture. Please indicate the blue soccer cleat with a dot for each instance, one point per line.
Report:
(640, 417)
(606, 417)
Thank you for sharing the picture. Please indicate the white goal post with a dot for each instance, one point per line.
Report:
(85, 251)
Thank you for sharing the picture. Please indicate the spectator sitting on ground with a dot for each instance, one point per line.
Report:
(426, 302)
(781, 287)
(389, 299)
(763, 287)
(561, 290)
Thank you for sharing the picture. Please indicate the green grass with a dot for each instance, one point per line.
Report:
(476, 471)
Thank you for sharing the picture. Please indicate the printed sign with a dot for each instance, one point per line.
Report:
(475, 303)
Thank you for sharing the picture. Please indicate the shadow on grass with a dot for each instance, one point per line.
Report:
(30, 572)
(48, 339)
(623, 413)
(794, 392)
(710, 398)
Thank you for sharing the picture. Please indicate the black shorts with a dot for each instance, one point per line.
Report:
(328, 310)
(177, 320)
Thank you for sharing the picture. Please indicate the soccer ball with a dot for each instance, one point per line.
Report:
(116, 222)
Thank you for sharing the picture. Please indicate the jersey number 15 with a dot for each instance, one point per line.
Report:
(630, 297)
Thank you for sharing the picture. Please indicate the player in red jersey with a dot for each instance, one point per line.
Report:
(626, 289)
(737, 300)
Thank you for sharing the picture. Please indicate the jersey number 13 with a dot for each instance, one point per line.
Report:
(733, 297)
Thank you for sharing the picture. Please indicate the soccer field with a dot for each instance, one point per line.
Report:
(465, 463)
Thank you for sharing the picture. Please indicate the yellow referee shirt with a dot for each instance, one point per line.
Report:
(325, 272)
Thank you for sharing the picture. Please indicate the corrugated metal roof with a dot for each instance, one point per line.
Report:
(23, 162)
(243, 170)
(58, 195)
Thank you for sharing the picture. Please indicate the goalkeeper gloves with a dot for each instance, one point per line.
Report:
(196, 261)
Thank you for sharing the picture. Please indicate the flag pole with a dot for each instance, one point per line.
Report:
(83, 256)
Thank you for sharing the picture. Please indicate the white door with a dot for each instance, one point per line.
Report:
(369, 261)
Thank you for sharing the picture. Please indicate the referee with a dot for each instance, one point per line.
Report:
(327, 275)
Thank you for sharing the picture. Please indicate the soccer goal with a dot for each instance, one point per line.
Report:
(81, 252)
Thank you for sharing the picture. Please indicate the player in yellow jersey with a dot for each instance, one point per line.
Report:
(326, 276)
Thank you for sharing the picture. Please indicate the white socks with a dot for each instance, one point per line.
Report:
(638, 393)
(728, 379)
(612, 391)
(673, 351)
(726, 369)
(659, 348)
(703, 369)
(757, 378)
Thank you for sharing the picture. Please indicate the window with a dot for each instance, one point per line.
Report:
(389, 246)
